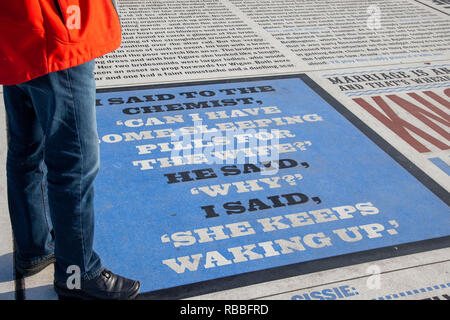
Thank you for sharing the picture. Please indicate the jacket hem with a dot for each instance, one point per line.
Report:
(107, 48)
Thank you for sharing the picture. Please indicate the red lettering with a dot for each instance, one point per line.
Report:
(439, 98)
(424, 115)
(400, 126)
(447, 92)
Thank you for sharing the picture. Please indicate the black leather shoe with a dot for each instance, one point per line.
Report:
(27, 270)
(106, 286)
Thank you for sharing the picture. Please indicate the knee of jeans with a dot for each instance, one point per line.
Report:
(92, 165)
(23, 151)
(70, 165)
(24, 157)
(91, 154)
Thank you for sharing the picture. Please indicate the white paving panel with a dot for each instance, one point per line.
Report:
(362, 281)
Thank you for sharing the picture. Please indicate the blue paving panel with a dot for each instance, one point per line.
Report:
(441, 165)
(338, 192)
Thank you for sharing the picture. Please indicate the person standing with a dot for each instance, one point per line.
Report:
(47, 59)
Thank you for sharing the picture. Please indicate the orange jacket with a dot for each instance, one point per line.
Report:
(42, 36)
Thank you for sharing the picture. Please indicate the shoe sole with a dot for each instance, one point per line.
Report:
(66, 294)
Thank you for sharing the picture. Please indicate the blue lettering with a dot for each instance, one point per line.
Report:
(338, 293)
(346, 291)
(328, 294)
(316, 295)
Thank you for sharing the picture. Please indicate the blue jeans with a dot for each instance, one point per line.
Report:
(53, 159)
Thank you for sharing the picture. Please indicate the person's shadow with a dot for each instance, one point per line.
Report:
(7, 275)
(6, 268)
(45, 292)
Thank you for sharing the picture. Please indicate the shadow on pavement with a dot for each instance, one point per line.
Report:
(6, 267)
(41, 293)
